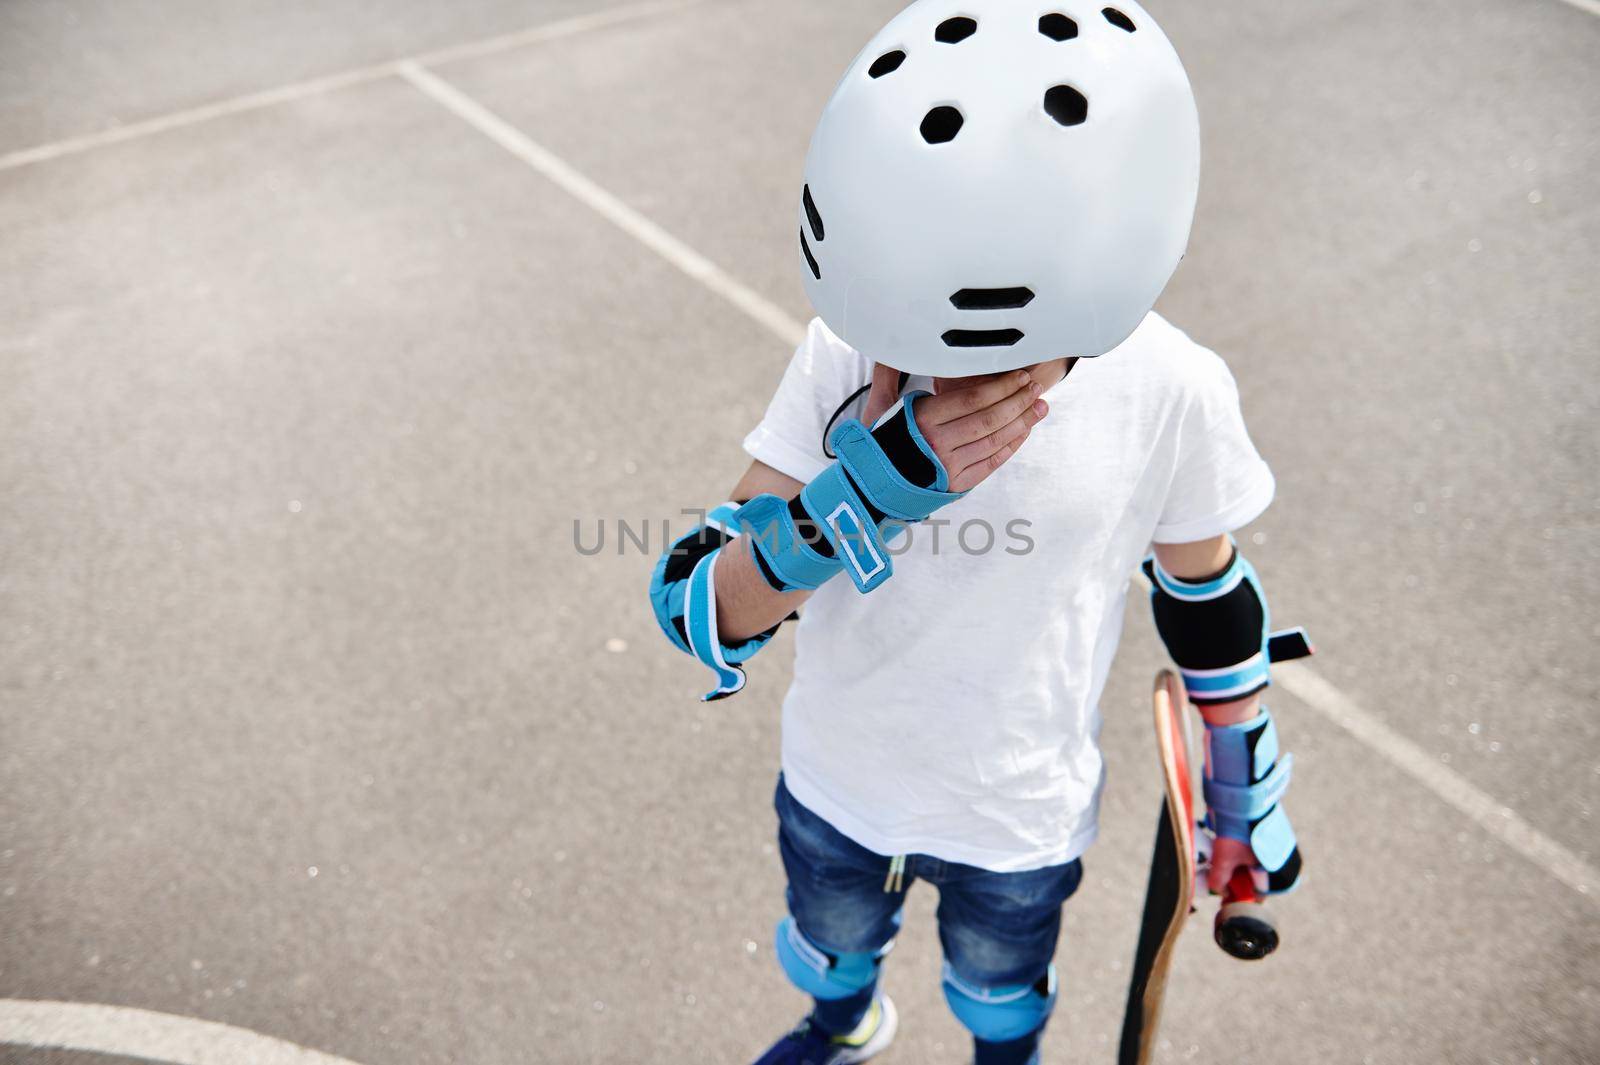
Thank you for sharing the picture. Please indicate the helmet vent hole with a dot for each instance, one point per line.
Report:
(955, 30)
(1066, 105)
(1057, 27)
(1118, 19)
(812, 214)
(992, 299)
(941, 125)
(982, 338)
(887, 63)
(811, 260)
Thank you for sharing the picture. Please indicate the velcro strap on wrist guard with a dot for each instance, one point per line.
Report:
(684, 599)
(880, 480)
(845, 520)
(857, 504)
(779, 543)
(1216, 630)
(1233, 806)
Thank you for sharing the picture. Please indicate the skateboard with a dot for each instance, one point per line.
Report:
(1178, 867)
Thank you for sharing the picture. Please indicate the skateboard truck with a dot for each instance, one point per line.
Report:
(1244, 927)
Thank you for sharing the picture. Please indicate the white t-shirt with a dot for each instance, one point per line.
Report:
(954, 711)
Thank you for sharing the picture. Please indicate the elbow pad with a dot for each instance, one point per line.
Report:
(683, 595)
(1218, 631)
(883, 480)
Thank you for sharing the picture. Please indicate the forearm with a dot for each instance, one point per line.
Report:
(1212, 615)
(747, 604)
(1233, 713)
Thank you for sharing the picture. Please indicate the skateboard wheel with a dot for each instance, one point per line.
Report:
(1245, 931)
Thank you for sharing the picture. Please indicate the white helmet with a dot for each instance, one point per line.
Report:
(995, 183)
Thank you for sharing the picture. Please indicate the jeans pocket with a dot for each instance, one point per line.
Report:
(824, 851)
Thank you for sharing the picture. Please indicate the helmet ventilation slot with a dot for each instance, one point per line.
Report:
(941, 125)
(991, 299)
(887, 63)
(812, 214)
(955, 30)
(1118, 19)
(1066, 105)
(811, 260)
(982, 338)
(1057, 27)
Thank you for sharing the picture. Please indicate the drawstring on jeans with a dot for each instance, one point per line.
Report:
(896, 880)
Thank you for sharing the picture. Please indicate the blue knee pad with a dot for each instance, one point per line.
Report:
(1002, 1013)
(820, 974)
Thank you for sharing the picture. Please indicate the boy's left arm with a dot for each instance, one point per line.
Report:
(1211, 613)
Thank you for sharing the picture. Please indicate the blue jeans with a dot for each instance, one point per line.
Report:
(996, 928)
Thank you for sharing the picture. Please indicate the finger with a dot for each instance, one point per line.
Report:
(959, 403)
(981, 423)
(951, 384)
(978, 472)
(1227, 857)
(987, 445)
(885, 390)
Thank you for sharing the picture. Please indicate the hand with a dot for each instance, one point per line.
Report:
(973, 424)
(1227, 854)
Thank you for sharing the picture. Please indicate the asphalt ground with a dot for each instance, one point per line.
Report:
(314, 722)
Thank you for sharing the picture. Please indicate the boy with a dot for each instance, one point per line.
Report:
(991, 196)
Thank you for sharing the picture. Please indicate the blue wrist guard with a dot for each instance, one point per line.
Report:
(684, 596)
(1244, 780)
(883, 480)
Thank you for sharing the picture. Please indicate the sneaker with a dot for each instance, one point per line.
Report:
(809, 1045)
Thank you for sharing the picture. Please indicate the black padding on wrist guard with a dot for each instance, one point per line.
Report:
(687, 552)
(894, 436)
(806, 526)
(1283, 878)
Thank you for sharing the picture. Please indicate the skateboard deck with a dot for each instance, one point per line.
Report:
(1169, 895)
(1178, 869)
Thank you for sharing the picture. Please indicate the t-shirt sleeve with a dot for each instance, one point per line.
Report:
(823, 373)
(1220, 482)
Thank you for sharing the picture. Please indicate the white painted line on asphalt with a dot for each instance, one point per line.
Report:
(1495, 818)
(328, 83)
(603, 203)
(1591, 6)
(135, 1033)
(179, 119)
(568, 27)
